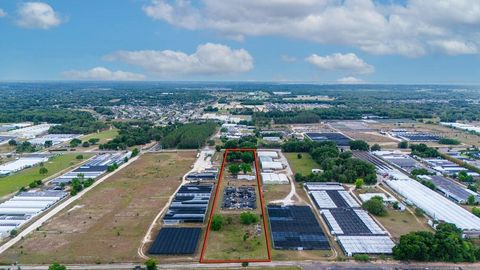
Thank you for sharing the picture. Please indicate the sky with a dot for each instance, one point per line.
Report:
(325, 41)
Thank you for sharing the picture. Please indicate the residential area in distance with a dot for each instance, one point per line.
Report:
(250, 180)
(240, 135)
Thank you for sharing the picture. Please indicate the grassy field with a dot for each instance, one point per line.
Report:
(56, 164)
(228, 243)
(303, 165)
(104, 136)
(6, 148)
(400, 223)
(108, 223)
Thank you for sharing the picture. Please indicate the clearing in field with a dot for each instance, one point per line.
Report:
(303, 165)
(14, 182)
(108, 223)
(236, 230)
(103, 136)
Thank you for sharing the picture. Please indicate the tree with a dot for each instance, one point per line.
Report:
(151, 264)
(79, 157)
(57, 266)
(299, 155)
(359, 183)
(12, 142)
(375, 206)
(359, 145)
(248, 218)
(234, 169)
(247, 157)
(245, 168)
(419, 211)
(75, 142)
(13, 233)
(93, 141)
(403, 145)
(135, 152)
(376, 147)
(85, 144)
(43, 171)
(476, 211)
(218, 148)
(217, 222)
(464, 177)
(415, 246)
(471, 200)
(48, 144)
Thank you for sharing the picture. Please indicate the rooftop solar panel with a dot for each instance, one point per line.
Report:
(176, 241)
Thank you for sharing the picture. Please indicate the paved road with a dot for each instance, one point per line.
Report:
(305, 265)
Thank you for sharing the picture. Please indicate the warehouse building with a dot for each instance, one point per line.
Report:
(435, 205)
(24, 206)
(412, 136)
(450, 189)
(30, 131)
(189, 205)
(447, 167)
(275, 178)
(95, 167)
(22, 163)
(55, 139)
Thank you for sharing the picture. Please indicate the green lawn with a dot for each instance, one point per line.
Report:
(104, 136)
(13, 183)
(303, 165)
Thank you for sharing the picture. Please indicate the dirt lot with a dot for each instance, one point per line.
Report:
(108, 223)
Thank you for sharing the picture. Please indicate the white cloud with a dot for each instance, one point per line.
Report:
(350, 80)
(37, 15)
(349, 63)
(103, 74)
(2, 13)
(455, 47)
(208, 59)
(288, 58)
(378, 27)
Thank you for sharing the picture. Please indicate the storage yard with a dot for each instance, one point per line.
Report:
(235, 241)
(108, 223)
(29, 132)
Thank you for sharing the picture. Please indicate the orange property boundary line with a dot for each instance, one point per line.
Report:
(207, 232)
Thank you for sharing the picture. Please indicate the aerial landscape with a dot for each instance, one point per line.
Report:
(279, 134)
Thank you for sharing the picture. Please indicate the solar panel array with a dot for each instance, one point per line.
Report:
(296, 228)
(176, 241)
(338, 138)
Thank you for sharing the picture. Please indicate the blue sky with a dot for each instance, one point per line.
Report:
(299, 40)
